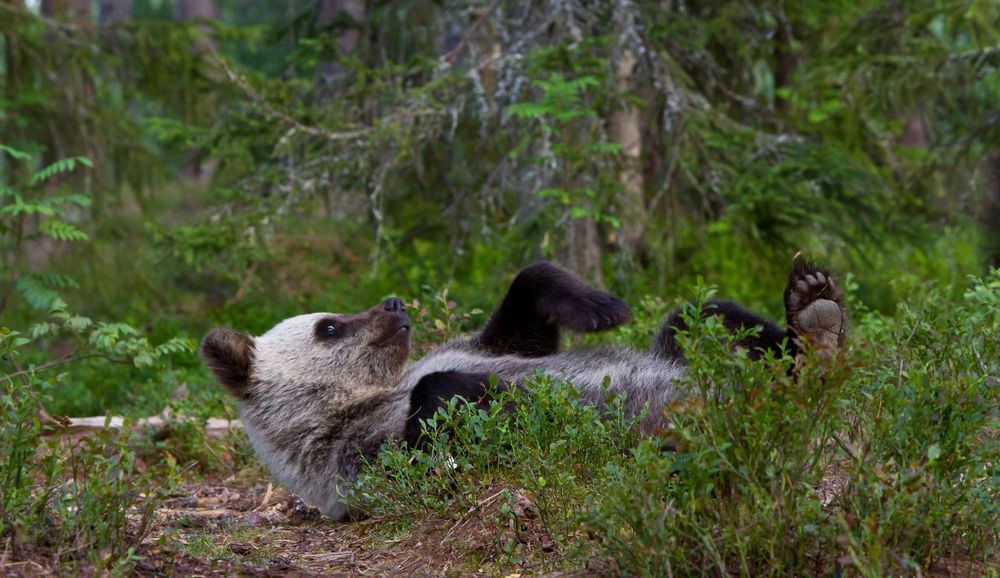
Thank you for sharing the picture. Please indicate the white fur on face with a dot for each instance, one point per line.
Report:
(299, 380)
(291, 355)
(288, 353)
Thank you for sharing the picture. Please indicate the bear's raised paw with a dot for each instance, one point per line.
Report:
(814, 307)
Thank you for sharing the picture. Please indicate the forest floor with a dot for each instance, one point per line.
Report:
(250, 527)
(244, 525)
(230, 527)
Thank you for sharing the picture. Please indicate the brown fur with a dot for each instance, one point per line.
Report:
(229, 354)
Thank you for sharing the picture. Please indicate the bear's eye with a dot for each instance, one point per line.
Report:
(329, 329)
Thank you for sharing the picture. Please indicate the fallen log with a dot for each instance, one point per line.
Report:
(80, 426)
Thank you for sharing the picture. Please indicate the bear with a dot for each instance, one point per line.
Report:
(320, 393)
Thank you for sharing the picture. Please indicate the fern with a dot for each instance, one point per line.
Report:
(118, 342)
(21, 207)
(15, 153)
(107, 335)
(77, 323)
(58, 280)
(62, 231)
(15, 229)
(533, 110)
(174, 345)
(36, 294)
(61, 166)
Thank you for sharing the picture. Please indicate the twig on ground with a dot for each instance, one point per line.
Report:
(465, 517)
(844, 445)
(267, 497)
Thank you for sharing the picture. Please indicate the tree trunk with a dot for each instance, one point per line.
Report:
(914, 132)
(69, 9)
(583, 245)
(115, 11)
(330, 11)
(991, 217)
(788, 58)
(77, 90)
(184, 10)
(626, 131)
(193, 9)
(112, 12)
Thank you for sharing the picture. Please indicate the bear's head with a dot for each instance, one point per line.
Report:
(328, 355)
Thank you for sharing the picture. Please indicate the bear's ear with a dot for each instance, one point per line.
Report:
(229, 355)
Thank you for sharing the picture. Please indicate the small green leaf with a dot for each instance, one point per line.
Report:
(17, 154)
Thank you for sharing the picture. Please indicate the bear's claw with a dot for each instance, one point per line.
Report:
(814, 306)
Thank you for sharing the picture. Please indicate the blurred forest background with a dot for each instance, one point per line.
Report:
(171, 165)
(167, 166)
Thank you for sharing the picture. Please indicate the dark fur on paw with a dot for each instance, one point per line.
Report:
(542, 299)
(814, 305)
(581, 308)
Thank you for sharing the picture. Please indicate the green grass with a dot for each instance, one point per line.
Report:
(212, 546)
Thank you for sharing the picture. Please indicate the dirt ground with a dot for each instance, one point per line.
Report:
(235, 527)
(228, 528)
(222, 529)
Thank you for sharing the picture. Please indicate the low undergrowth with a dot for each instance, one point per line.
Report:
(881, 461)
(75, 504)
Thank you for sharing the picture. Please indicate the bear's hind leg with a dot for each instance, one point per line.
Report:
(814, 307)
(734, 318)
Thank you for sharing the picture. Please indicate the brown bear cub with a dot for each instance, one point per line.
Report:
(320, 393)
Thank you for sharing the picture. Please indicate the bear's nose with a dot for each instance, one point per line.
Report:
(393, 304)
